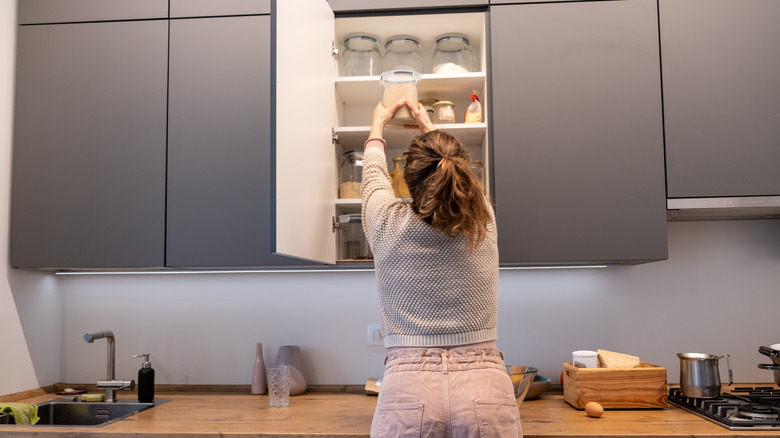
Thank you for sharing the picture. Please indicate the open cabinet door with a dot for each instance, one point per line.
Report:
(306, 182)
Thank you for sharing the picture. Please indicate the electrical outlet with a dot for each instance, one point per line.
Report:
(374, 335)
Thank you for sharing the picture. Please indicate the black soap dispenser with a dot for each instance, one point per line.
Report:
(145, 380)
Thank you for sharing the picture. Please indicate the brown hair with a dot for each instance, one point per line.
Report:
(445, 191)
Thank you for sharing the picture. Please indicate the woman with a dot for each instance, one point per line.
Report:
(436, 265)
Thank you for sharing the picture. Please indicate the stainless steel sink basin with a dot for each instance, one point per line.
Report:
(77, 413)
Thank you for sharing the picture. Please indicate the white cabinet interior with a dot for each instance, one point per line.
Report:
(308, 151)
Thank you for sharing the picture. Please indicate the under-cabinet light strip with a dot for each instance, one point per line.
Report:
(277, 271)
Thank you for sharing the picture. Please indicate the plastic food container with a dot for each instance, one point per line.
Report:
(352, 241)
(444, 112)
(360, 57)
(400, 84)
(452, 54)
(403, 53)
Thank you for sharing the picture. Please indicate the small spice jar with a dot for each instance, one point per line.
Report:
(350, 174)
(444, 112)
(403, 53)
(427, 103)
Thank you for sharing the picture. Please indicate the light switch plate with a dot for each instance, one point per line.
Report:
(374, 335)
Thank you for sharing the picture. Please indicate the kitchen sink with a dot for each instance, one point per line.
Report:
(77, 413)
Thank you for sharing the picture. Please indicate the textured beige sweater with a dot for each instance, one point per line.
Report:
(433, 290)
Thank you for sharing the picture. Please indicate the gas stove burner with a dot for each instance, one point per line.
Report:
(743, 409)
(757, 412)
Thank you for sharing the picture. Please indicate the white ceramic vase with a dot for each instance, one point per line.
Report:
(259, 383)
(291, 356)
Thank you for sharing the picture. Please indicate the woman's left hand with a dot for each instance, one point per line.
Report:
(421, 116)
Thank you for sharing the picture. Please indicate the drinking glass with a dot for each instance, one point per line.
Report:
(278, 386)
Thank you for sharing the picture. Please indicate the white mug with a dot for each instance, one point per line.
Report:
(585, 359)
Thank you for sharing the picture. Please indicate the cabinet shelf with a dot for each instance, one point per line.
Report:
(353, 137)
(366, 90)
(349, 204)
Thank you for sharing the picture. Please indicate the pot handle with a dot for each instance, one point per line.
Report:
(728, 365)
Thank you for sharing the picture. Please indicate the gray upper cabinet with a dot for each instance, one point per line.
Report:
(577, 133)
(219, 143)
(69, 11)
(721, 79)
(373, 5)
(95, 185)
(506, 2)
(89, 153)
(212, 8)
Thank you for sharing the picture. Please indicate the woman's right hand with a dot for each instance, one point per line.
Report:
(421, 115)
(382, 116)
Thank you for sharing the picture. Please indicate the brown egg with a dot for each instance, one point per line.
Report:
(594, 409)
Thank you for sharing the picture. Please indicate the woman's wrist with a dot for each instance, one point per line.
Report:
(376, 131)
(375, 142)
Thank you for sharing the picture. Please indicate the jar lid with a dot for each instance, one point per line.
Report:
(428, 100)
(400, 76)
(361, 36)
(346, 218)
(401, 39)
(399, 158)
(454, 38)
(443, 102)
(356, 153)
(361, 42)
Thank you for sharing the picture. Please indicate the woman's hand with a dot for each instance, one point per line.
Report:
(421, 115)
(382, 116)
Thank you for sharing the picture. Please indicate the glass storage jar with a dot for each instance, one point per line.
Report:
(443, 112)
(360, 57)
(352, 241)
(403, 53)
(452, 54)
(399, 184)
(350, 174)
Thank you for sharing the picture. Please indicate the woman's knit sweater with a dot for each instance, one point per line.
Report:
(433, 290)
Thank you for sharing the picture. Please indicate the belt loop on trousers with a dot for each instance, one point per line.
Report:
(445, 358)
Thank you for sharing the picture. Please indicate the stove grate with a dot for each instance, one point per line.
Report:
(758, 404)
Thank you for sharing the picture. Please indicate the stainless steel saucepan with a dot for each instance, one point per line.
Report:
(774, 353)
(700, 376)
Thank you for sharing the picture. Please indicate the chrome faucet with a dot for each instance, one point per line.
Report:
(111, 383)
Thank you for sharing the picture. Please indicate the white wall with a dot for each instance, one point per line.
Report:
(718, 293)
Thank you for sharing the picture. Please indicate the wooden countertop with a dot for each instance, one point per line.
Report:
(323, 415)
